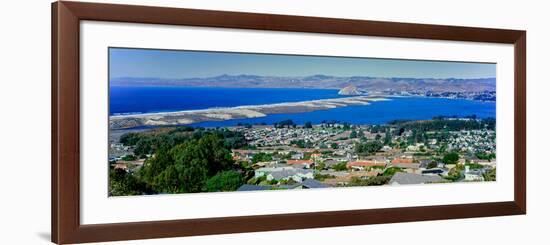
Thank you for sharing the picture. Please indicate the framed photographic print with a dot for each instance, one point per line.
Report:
(177, 122)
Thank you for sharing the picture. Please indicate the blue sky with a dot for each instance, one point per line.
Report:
(186, 64)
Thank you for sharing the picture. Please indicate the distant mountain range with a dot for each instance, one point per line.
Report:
(363, 83)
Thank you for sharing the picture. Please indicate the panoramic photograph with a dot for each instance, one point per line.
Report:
(202, 121)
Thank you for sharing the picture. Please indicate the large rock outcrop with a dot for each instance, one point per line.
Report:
(349, 90)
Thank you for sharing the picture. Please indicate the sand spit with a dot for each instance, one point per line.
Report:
(239, 112)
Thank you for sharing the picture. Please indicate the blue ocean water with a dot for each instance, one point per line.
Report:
(162, 99)
(133, 100)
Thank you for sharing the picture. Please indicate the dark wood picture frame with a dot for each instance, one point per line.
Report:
(66, 227)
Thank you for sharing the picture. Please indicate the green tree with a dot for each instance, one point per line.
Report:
(361, 134)
(486, 156)
(441, 123)
(322, 177)
(340, 166)
(308, 125)
(155, 166)
(432, 164)
(402, 145)
(320, 166)
(187, 166)
(285, 123)
(474, 166)
(490, 175)
(129, 158)
(391, 171)
(130, 139)
(302, 143)
(368, 148)
(145, 145)
(455, 174)
(261, 157)
(122, 183)
(451, 158)
(283, 182)
(422, 148)
(346, 126)
(256, 181)
(371, 181)
(442, 148)
(225, 181)
(387, 137)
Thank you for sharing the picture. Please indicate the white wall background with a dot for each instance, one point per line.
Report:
(25, 121)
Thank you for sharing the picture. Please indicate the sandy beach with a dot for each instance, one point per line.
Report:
(239, 112)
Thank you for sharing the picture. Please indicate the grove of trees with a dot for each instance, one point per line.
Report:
(196, 161)
(368, 148)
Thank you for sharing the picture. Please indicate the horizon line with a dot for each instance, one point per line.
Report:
(290, 76)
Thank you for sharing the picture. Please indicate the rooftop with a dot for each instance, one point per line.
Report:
(407, 165)
(408, 179)
(366, 164)
(311, 183)
(289, 172)
(299, 161)
(254, 188)
(402, 160)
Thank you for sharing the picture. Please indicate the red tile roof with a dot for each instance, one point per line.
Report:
(402, 161)
(299, 161)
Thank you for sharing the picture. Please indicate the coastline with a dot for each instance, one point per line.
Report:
(238, 112)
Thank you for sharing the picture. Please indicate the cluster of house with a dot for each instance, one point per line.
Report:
(422, 167)
(483, 95)
(302, 178)
(321, 136)
(271, 136)
(473, 140)
(331, 146)
(414, 172)
(284, 173)
(411, 170)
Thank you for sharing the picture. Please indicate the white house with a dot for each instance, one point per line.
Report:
(265, 171)
(284, 173)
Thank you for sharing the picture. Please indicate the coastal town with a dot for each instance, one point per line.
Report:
(330, 154)
(478, 95)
